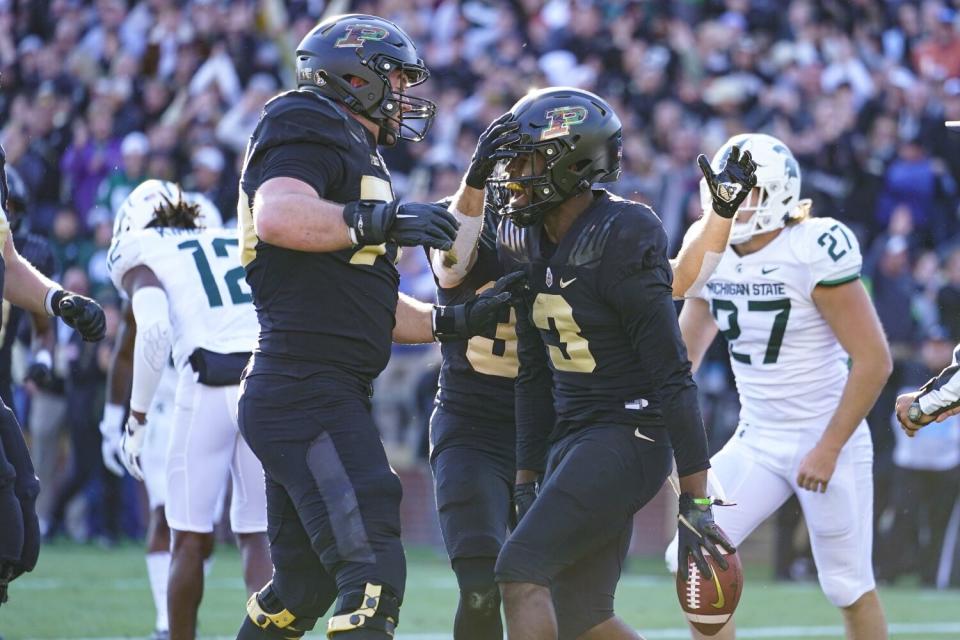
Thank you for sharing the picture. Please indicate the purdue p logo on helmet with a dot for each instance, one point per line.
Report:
(350, 58)
(572, 139)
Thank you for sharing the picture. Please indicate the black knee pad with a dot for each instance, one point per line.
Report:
(271, 619)
(478, 589)
(375, 608)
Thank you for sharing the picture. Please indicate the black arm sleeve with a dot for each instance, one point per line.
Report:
(316, 164)
(640, 288)
(534, 395)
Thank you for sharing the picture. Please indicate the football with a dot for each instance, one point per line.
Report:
(708, 603)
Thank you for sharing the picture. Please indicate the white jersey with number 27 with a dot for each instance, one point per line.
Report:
(210, 303)
(789, 367)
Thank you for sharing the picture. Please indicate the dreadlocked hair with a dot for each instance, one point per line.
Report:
(178, 214)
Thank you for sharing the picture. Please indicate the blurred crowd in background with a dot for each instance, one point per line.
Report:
(98, 96)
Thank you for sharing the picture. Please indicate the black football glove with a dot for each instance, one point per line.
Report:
(409, 225)
(697, 530)
(80, 313)
(523, 496)
(730, 187)
(490, 149)
(478, 316)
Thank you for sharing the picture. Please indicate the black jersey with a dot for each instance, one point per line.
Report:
(36, 250)
(477, 375)
(609, 342)
(333, 309)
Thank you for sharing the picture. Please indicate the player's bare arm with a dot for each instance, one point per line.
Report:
(288, 213)
(452, 266)
(29, 289)
(849, 312)
(697, 329)
(707, 238)
(419, 322)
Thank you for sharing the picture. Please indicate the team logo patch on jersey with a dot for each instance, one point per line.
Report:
(549, 278)
(561, 119)
(356, 35)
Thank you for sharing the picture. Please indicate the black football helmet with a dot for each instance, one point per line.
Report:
(368, 48)
(18, 198)
(571, 140)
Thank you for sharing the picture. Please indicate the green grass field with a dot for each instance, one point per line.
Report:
(87, 592)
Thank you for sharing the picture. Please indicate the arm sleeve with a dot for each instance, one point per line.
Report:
(152, 345)
(943, 392)
(638, 285)
(316, 164)
(452, 266)
(534, 409)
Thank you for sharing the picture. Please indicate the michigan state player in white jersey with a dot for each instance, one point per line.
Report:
(153, 457)
(188, 296)
(810, 359)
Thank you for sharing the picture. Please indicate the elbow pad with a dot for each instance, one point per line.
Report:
(151, 310)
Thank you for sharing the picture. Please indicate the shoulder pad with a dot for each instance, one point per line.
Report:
(829, 248)
(126, 252)
(302, 116)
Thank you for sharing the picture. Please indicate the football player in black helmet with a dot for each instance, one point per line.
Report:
(320, 234)
(472, 432)
(604, 385)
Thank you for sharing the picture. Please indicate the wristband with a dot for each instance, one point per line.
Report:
(51, 302)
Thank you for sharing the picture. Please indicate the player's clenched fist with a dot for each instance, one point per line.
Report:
(409, 225)
(79, 313)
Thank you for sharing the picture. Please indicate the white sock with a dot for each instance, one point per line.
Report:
(158, 568)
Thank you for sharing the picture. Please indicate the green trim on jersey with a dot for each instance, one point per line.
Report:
(839, 281)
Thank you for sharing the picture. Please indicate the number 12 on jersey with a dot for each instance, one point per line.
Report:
(781, 307)
(233, 278)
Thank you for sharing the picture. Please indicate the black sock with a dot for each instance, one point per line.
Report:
(478, 615)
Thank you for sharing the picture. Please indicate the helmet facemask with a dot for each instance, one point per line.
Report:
(521, 187)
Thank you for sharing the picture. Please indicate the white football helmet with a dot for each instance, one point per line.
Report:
(778, 181)
(138, 208)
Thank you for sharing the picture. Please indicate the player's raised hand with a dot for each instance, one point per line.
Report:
(80, 313)
(131, 444)
(409, 225)
(696, 531)
(480, 315)
(730, 187)
(501, 133)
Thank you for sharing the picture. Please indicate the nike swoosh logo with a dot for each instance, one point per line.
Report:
(643, 437)
(765, 271)
(721, 600)
(566, 283)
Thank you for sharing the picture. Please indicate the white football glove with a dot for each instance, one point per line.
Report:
(131, 444)
(111, 428)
